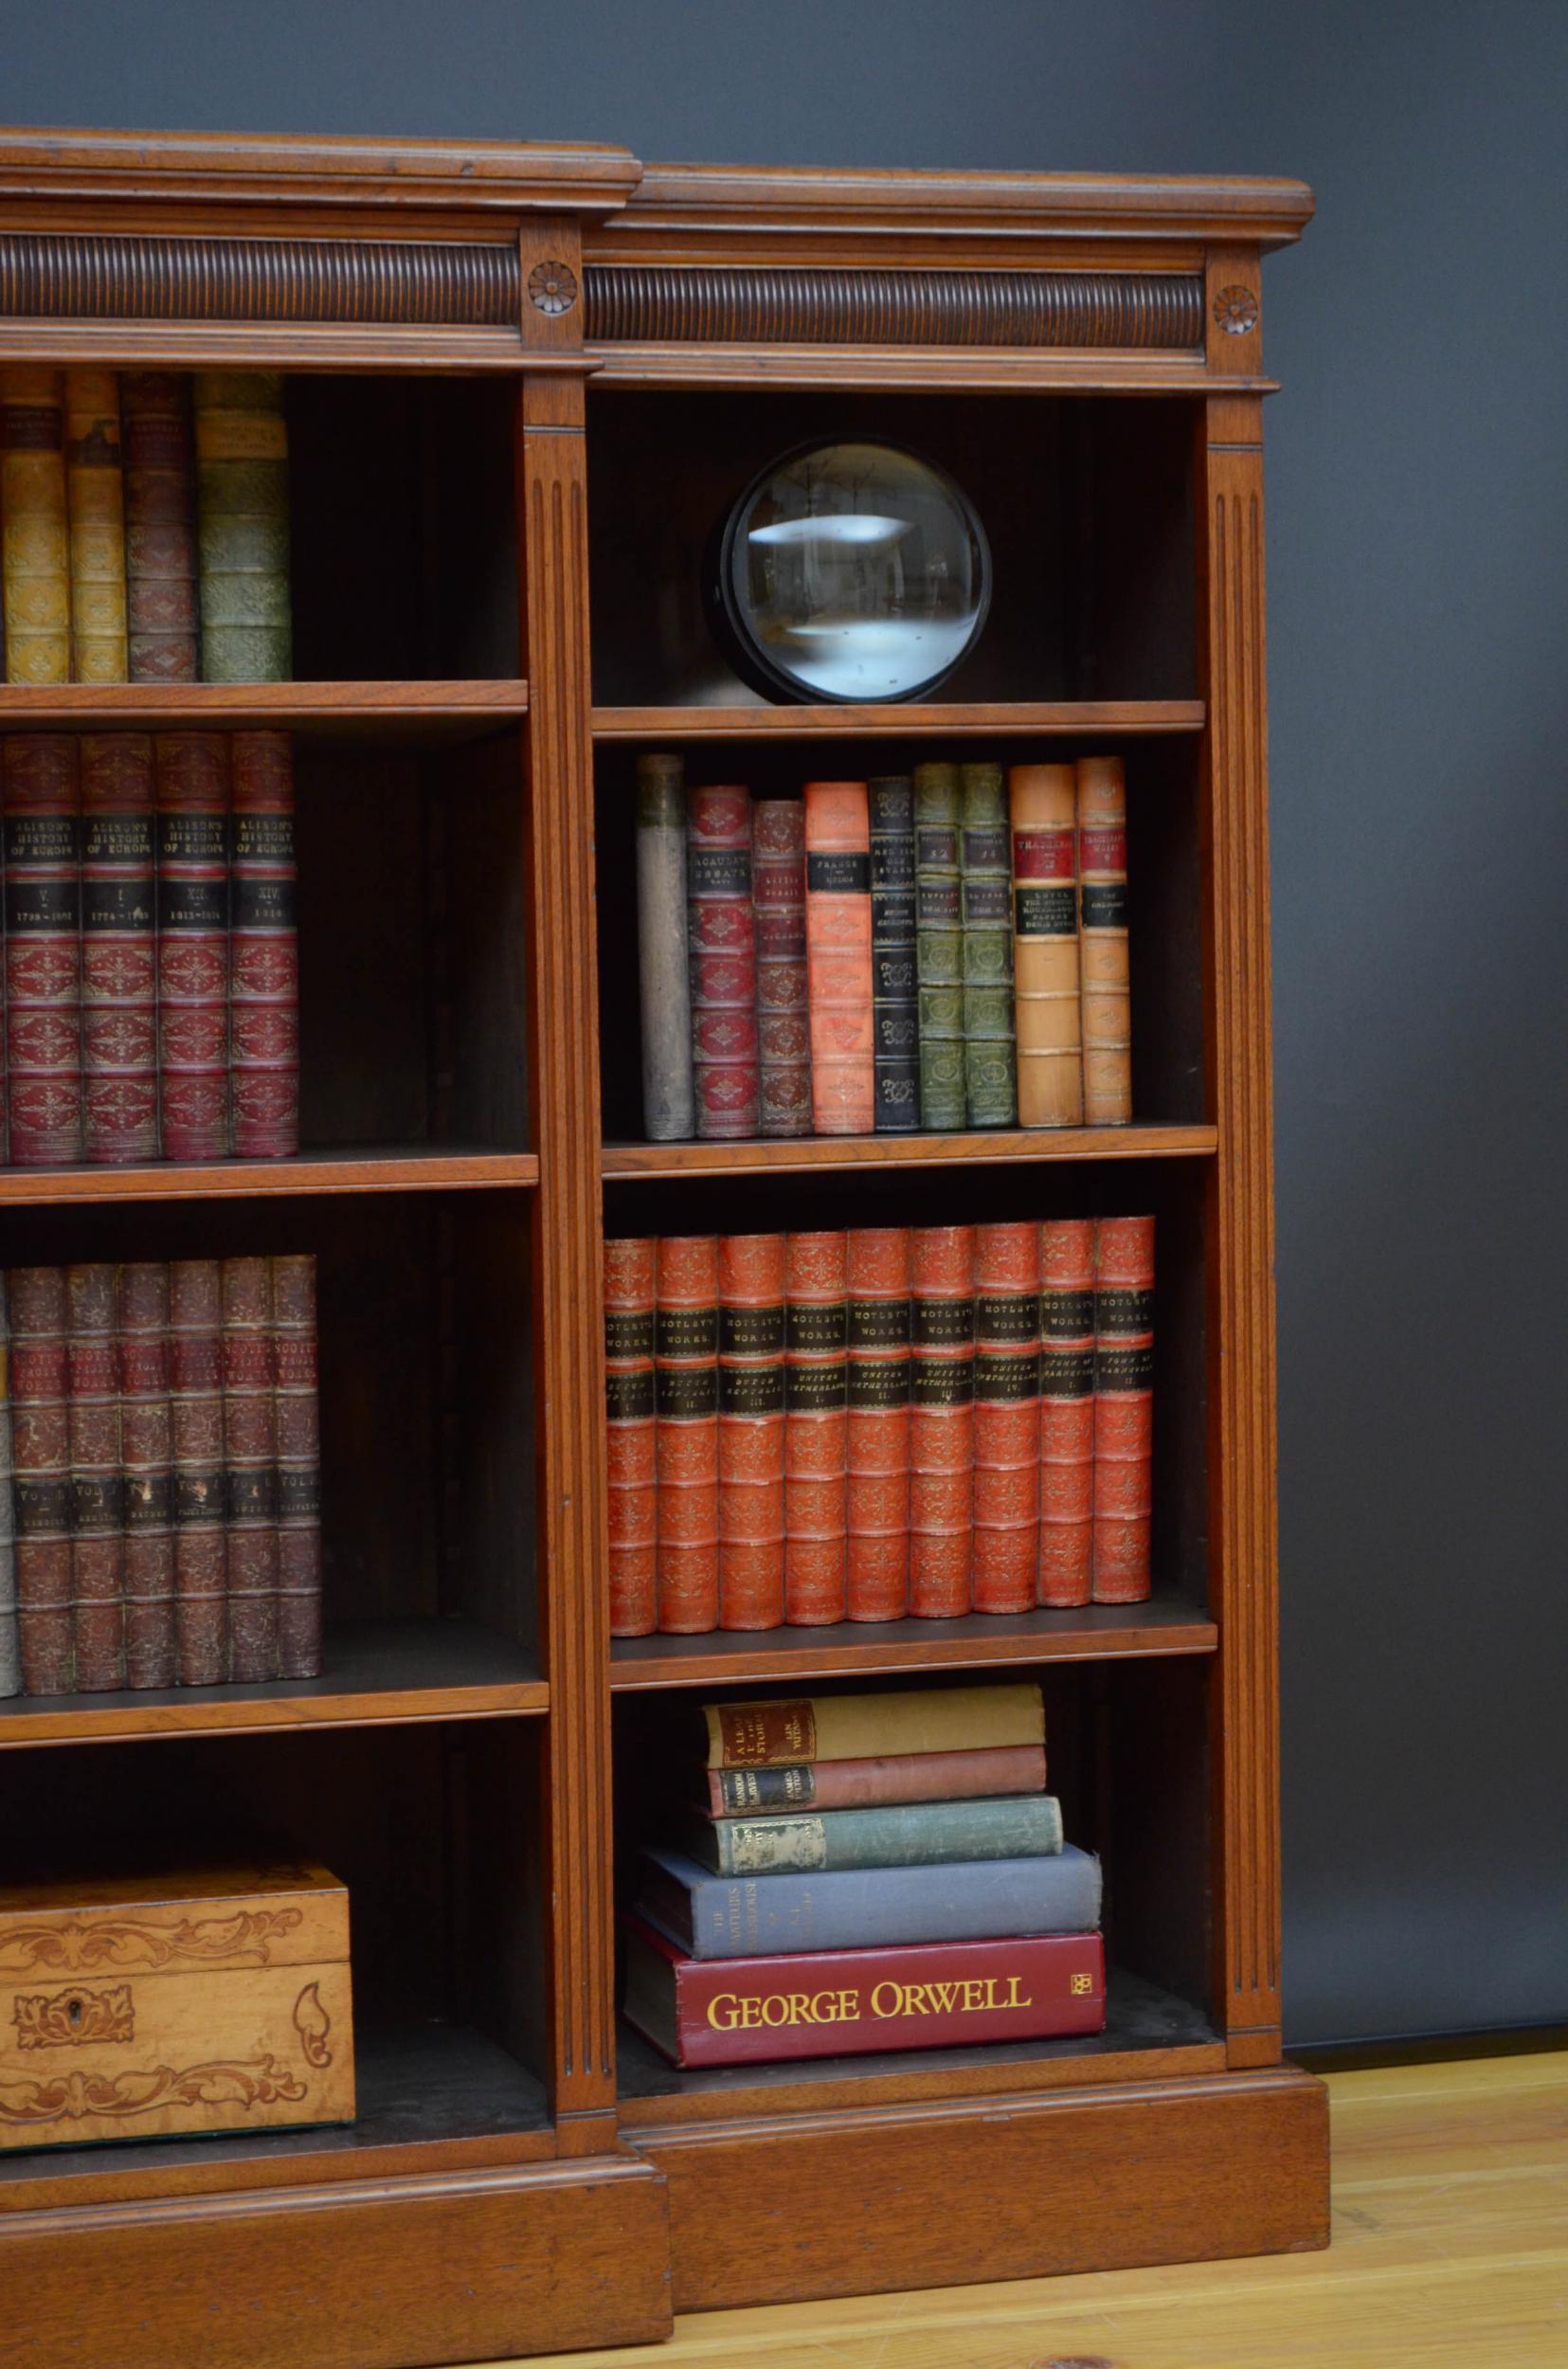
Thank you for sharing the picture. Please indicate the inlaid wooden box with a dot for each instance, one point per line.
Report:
(216, 1999)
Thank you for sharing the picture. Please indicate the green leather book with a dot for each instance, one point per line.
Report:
(242, 527)
(939, 948)
(915, 1833)
(990, 1063)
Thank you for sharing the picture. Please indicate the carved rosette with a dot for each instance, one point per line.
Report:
(1236, 310)
(551, 288)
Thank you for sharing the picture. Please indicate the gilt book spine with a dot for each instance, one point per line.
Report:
(915, 1833)
(685, 1432)
(147, 1464)
(250, 1469)
(669, 1114)
(751, 1431)
(939, 950)
(119, 968)
(790, 1728)
(95, 491)
(838, 958)
(630, 1476)
(894, 1776)
(816, 1429)
(1045, 944)
(1104, 978)
(43, 949)
(877, 1486)
(895, 999)
(1123, 1408)
(192, 791)
(1007, 1415)
(160, 527)
(990, 1083)
(264, 950)
(196, 1437)
(35, 537)
(41, 1477)
(1067, 1411)
(242, 527)
(783, 1014)
(297, 1423)
(98, 1541)
(941, 1378)
(722, 942)
(11, 1645)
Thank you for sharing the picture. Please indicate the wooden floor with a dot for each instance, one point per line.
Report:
(1451, 2245)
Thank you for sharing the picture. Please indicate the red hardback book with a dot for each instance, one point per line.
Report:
(721, 954)
(250, 1474)
(297, 1431)
(43, 949)
(160, 526)
(97, 1551)
(41, 1477)
(816, 1429)
(1123, 1408)
(192, 784)
(196, 1435)
(685, 1432)
(146, 1452)
(941, 1378)
(895, 1776)
(751, 1431)
(783, 1023)
(119, 964)
(1007, 1415)
(1067, 1410)
(630, 1477)
(263, 954)
(838, 967)
(852, 2002)
(878, 1437)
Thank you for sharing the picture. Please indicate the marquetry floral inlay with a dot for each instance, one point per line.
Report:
(81, 1946)
(1236, 310)
(78, 2096)
(71, 2018)
(312, 2023)
(552, 288)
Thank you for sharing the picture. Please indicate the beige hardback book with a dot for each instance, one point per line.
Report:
(96, 490)
(33, 530)
(1102, 941)
(1042, 801)
(866, 1726)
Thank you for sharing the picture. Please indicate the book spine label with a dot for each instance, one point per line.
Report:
(11, 1643)
(1045, 944)
(899, 1777)
(838, 958)
(95, 488)
(147, 1457)
(869, 1727)
(990, 1084)
(895, 1000)
(941, 1378)
(669, 1112)
(939, 948)
(43, 913)
(160, 527)
(41, 1477)
(192, 797)
(1123, 1408)
(196, 1437)
(250, 1469)
(1067, 1410)
(264, 950)
(751, 1431)
(119, 983)
(98, 1555)
(242, 527)
(34, 534)
(859, 1908)
(722, 953)
(1007, 1415)
(630, 1473)
(686, 1434)
(297, 1423)
(920, 1834)
(783, 1019)
(1105, 988)
(877, 1486)
(816, 1429)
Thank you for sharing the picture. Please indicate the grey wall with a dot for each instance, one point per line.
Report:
(1420, 822)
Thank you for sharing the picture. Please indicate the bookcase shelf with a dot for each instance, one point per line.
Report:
(415, 711)
(980, 1148)
(417, 1169)
(1076, 719)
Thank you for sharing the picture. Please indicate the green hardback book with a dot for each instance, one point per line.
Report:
(915, 1833)
(990, 1061)
(939, 948)
(242, 527)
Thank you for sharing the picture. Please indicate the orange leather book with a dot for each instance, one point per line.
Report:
(629, 1470)
(1067, 1410)
(879, 1491)
(839, 969)
(816, 1429)
(1106, 996)
(751, 1431)
(1123, 1408)
(1043, 804)
(942, 1375)
(1007, 1415)
(685, 1432)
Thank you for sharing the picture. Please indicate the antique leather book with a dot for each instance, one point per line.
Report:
(263, 952)
(990, 1086)
(686, 1435)
(120, 965)
(41, 1477)
(1043, 799)
(43, 949)
(877, 1488)
(35, 531)
(722, 956)
(902, 1834)
(810, 1727)
(783, 1014)
(1103, 944)
(1067, 1410)
(250, 1468)
(888, 1776)
(95, 491)
(630, 1476)
(942, 1384)
(838, 958)
(11, 1647)
(196, 1434)
(667, 1112)
(939, 948)
(1123, 1408)
(751, 1431)
(895, 995)
(160, 527)
(243, 525)
(147, 1473)
(1007, 1415)
(192, 791)
(297, 1430)
(816, 1427)
(98, 1550)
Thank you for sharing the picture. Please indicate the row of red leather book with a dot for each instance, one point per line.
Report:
(151, 981)
(807, 1428)
(159, 1476)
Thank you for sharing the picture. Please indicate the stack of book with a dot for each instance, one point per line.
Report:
(936, 953)
(928, 1421)
(159, 1475)
(144, 526)
(867, 1873)
(150, 986)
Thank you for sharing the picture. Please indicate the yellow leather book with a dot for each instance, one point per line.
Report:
(1043, 806)
(35, 543)
(95, 485)
(1106, 995)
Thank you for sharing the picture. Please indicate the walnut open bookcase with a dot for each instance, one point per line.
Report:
(522, 383)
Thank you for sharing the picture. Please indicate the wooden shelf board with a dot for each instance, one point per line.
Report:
(1166, 1625)
(429, 711)
(416, 1167)
(978, 1146)
(1149, 2036)
(376, 1671)
(888, 720)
